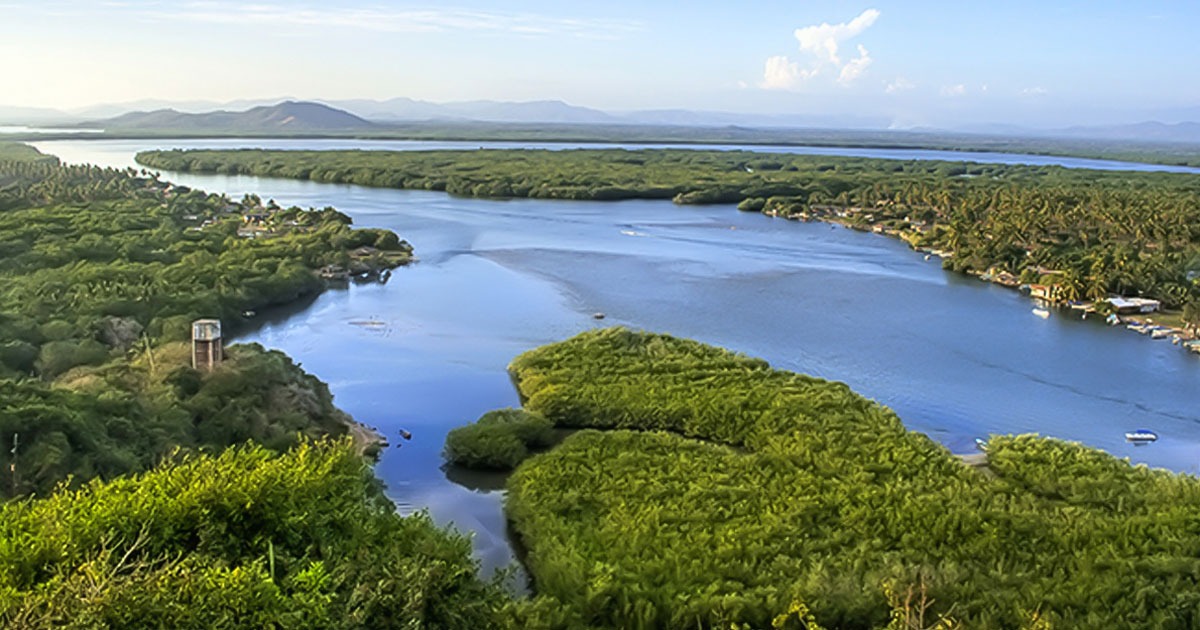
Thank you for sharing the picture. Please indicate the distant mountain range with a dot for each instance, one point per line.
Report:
(285, 117)
(294, 116)
(1146, 131)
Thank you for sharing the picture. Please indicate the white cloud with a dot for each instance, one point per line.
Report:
(899, 85)
(820, 46)
(953, 90)
(1034, 91)
(822, 40)
(781, 73)
(855, 66)
(393, 21)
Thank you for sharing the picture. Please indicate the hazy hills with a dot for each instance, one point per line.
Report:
(285, 117)
(292, 117)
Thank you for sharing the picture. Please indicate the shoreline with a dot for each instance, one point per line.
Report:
(580, 134)
(1142, 323)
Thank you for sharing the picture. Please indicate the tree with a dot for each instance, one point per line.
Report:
(1191, 315)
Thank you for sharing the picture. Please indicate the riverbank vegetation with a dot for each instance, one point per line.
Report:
(498, 440)
(720, 491)
(101, 273)
(1092, 233)
(19, 152)
(241, 539)
(143, 493)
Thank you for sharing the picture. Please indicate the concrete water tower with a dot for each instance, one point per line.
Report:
(206, 344)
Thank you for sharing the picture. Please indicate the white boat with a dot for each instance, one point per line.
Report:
(981, 444)
(1141, 436)
(1041, 312)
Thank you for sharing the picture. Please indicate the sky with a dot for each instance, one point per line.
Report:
(895, 63)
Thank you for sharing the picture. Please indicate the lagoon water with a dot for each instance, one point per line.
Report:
(954, 357)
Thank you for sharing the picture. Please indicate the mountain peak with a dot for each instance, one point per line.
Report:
(284, 116)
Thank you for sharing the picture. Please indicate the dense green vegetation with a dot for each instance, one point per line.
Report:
(1102, 232)
(498, 440)
(242, 539)
(18, 152)
(101, 273)
(723, 491)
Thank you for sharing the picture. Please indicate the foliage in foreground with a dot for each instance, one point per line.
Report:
(243, 539)
(498, 440)
(722, 491)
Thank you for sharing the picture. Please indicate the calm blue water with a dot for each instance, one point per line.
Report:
(954, 357)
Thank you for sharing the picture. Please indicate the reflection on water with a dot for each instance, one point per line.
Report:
(954, 357)
(476, 480)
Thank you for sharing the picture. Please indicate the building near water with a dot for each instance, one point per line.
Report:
(207, 351)
(1134, 304)
(1048, 292)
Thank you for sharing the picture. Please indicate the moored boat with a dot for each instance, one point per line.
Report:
(1141, 436)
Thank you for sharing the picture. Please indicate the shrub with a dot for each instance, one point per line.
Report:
(241, 539)
(499, 440)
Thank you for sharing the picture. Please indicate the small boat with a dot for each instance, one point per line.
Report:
(1041, 312)
(1112, 319)
(1160, 332)
(597, 315)
(248, 314)
(981, 444)
(1141, 436)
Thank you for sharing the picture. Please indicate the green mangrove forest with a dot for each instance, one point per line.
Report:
(1093, 233)
(101, 273)
(499, 440)
(706, 489)
(142, 493)
(698, 488)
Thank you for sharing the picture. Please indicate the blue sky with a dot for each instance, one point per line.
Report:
(908, 63)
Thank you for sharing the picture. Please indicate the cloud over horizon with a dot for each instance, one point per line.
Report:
(820, 46)
(901, 84)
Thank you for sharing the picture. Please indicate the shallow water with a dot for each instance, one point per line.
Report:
(954, 357)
